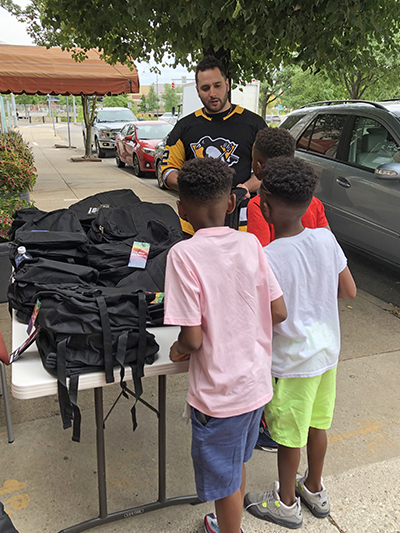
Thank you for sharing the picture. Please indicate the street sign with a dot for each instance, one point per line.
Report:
(53, 99)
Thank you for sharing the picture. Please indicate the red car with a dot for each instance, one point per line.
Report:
(136, 142)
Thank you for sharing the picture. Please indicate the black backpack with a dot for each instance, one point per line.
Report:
(88, 208)
(110, 255)
(87, 330)
(124, 223)
(55, 235)
(40, 274)
(6, 525)
(233, 219)
(21, 217)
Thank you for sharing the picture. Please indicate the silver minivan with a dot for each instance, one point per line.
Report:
(354, 146)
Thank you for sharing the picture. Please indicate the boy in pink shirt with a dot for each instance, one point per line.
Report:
(215, 282)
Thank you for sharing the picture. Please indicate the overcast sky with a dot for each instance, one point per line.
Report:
(14, 32)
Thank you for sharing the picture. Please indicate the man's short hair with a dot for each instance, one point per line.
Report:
(290, 179)
(210, 63)
(204, 180)
(274, 142)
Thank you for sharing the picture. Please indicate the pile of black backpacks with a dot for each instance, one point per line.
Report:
(94, 308)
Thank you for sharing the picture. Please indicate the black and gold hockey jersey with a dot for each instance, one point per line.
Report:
(228, 136)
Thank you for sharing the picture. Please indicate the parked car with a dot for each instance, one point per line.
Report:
(158, 156)
(273, 118)
(135, 144)
(354, 146)
(172, 118)
(107, 124)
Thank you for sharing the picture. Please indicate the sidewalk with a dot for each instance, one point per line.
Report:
(47, 482)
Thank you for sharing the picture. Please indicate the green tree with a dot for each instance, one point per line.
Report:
(142, 105)
(116, 101)
(245, 35)
(279, 82)
(153, 99)
(306, 87)
(362, 77)
(170, 97)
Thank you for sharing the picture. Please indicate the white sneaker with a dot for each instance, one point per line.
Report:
(268, 506)
(317, 502)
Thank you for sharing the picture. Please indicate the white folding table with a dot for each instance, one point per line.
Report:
(31, 380)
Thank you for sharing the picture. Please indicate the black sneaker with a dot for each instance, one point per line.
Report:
(265, 442)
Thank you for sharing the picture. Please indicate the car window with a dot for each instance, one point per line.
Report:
(153, 131)
(371, 144)
(323, 135)
(115, 115)
(131, 130)
(291, 120)
(124, 131)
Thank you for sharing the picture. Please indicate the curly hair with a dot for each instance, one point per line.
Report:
(210, 63)
(204, 180)
(290, 179)
(274, 142)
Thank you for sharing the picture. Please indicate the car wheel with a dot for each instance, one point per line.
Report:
(161, 183)
(120, 163)
(99, 152)
(136, 167)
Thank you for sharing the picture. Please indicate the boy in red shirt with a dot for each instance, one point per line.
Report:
(269, 143)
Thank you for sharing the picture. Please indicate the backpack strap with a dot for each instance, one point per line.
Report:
(63, 396)
(73, 395)
(138, 365)
(68, 399)
(107, 341)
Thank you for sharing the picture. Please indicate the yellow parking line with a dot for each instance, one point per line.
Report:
(12, 485)
(369, 427)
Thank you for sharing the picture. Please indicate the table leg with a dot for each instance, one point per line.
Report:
(162, 439)
(163, 501)
(4, 393)
(101, 452)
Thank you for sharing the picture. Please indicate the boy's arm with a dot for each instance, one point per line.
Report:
(347, 288)
(278, 310)
(189, 340)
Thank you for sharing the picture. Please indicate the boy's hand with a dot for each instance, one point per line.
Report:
(175, 356)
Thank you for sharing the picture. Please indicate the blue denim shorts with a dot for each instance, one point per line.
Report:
(220, 446)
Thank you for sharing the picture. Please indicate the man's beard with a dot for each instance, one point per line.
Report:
(222, 105)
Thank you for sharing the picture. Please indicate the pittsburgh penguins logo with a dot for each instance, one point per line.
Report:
(216, 148)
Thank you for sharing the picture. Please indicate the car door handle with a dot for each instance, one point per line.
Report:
(343, 182)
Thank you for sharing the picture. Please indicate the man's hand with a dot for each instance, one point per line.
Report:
(171, 180)
(175, 356)
(243, 186)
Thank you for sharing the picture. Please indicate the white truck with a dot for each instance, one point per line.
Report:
(108, 122)
(244, 95)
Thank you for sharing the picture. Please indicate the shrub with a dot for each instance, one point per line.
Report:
(17, 171)
(17, 175)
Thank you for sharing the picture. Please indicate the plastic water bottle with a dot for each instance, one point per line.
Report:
(22, 254)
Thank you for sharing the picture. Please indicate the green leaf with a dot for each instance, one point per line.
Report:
(237, 10)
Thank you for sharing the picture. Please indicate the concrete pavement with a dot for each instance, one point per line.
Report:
(48, 483)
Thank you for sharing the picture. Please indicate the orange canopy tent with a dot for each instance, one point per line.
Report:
(38, 70)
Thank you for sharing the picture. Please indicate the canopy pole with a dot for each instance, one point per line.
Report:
(9, 114)
(51, 114)
(74, 107)
(14, 110)
(3, 115)
(69, 128)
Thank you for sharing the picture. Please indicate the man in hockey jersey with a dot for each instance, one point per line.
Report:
(220, 130)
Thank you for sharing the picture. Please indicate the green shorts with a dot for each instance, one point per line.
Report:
(297, 405)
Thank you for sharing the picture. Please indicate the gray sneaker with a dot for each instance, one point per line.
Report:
(268, 506)
(317, 502)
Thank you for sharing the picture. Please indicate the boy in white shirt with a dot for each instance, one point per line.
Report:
(221, 291)
(312, 270)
